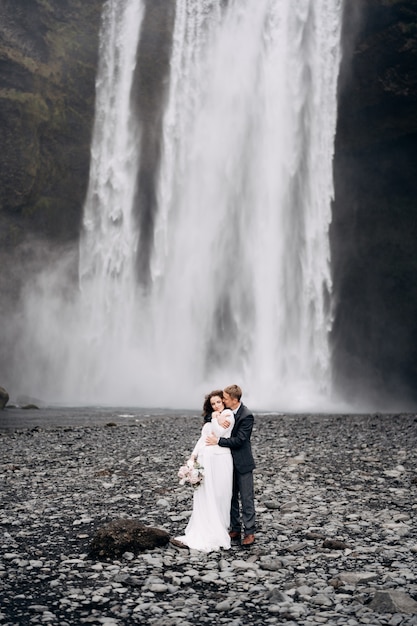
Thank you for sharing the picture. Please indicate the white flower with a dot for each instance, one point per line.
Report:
(191, 473)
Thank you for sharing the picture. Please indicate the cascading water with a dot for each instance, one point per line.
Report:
(109, 239)
(238, 285)
(241, 268)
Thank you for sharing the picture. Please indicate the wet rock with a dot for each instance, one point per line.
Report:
(311, 535)
(4, 397)
(322, 599)
(289, 507)
(335, 544)
(275, 596)
(272, 504)
(126, 536)
(354, 578)
(393, 602)
(296, 460)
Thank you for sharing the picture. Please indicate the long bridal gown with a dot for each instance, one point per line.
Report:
(207, 529)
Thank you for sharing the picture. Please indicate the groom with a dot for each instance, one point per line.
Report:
(243, 464)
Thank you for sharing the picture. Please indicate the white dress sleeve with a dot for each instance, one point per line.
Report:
(205, 431)
(218, 430)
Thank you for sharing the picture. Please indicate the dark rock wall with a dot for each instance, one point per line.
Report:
(48, 58)
(374, 230)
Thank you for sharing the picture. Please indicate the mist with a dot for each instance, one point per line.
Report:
(209, 263)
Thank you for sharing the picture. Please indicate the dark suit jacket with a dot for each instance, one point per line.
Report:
(239, 441)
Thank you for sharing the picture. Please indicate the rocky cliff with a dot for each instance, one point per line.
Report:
(48, 59)
(374, 230)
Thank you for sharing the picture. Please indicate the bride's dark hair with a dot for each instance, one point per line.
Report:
(207, 408)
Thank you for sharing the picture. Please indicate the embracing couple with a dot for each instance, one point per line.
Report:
(224, 502)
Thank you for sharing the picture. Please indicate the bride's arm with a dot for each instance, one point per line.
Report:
(201, 442)
(223, 431)
(223, 417)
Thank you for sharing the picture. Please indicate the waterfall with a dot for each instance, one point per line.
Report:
(238, 283)
(241, 268)
(109, 238)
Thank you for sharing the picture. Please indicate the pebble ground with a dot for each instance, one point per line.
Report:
(336, 507)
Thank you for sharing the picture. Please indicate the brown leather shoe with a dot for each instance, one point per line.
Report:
(248, 540)
(234, 534)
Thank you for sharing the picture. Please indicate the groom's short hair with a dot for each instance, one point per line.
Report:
(234, 391)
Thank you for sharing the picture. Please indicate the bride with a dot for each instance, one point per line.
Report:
(208, 527)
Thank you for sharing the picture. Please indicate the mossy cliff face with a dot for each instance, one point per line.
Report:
(48, 60)
(374, 230)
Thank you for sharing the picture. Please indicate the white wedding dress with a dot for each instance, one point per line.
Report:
(208, 527)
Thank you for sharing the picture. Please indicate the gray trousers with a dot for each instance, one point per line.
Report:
(243, 486)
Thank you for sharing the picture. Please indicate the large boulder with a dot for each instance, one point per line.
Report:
(126, 535)
(4, 397)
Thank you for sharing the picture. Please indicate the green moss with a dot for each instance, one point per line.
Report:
(33, 66)
(16, 56)
(46, 5)
(58, 116)
(31, 103)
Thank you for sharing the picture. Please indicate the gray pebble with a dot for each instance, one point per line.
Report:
(72, 480)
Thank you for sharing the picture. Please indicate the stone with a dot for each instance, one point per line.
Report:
(335, 544)
(224, 605)
(321, 599)
(272, 504)
(4, 397)
(126, 535)
(392, 601)
(275, 596)
(354, 578)
(296, 460)
(289, 507)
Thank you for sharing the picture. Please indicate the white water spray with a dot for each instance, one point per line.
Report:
(109, 239)
(240, 285)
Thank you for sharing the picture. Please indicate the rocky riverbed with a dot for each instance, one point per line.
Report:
(336, 540)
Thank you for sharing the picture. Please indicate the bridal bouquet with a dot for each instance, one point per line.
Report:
(192, 473)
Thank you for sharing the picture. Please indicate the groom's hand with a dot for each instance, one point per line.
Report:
(223, 421)
(212, 440)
